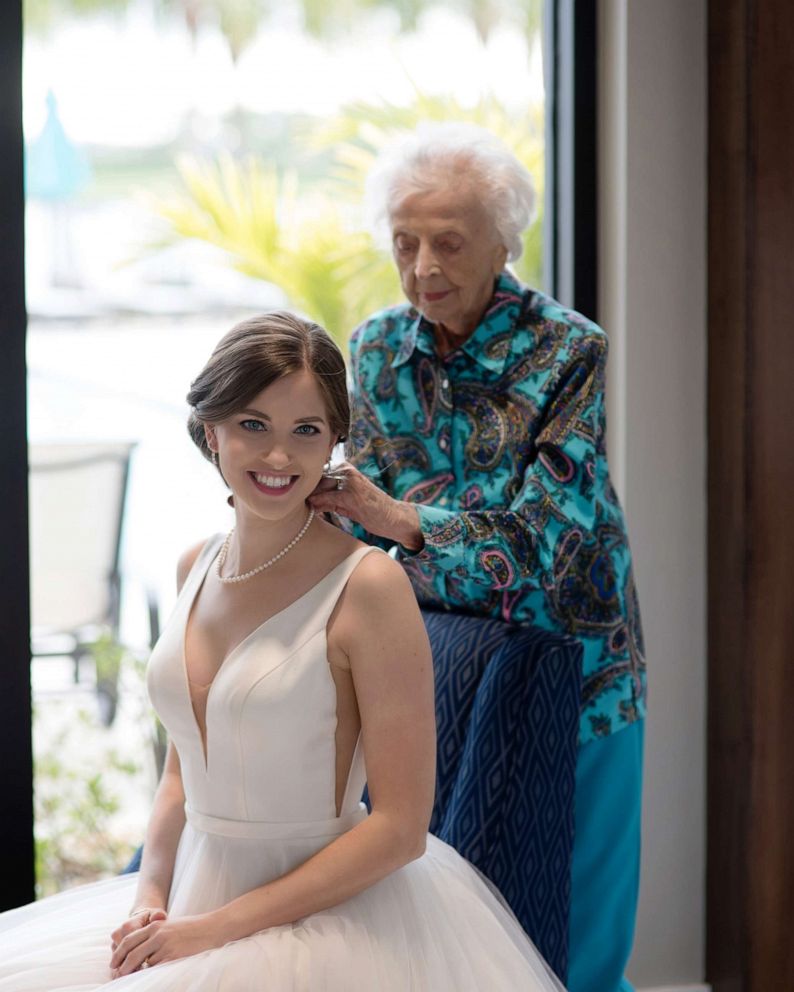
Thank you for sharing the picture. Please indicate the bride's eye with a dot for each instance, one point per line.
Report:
(307, 430)
(252, 425)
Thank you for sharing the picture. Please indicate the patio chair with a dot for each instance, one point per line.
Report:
(77, 500)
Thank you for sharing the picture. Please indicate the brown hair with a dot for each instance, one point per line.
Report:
(255, 353)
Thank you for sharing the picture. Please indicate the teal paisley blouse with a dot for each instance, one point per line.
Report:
(500, 444)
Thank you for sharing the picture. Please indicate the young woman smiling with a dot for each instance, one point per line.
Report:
(294, 669)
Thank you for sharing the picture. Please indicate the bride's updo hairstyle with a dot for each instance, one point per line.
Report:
(253, 355)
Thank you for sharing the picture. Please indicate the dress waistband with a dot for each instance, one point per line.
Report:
(271, 830)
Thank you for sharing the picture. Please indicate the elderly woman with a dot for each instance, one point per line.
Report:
(479, 419)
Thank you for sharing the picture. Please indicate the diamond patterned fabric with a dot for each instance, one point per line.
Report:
(507, 709)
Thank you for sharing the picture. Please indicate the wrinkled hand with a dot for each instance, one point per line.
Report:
(160, 939)
(362, 501)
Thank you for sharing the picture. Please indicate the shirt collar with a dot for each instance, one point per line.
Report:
(507, 302)
(418, 336)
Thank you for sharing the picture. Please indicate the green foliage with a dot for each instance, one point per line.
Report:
(239, 23)
(240, 20)
(327, 20)
(486, 14)
(93, 784)
(300, 243)
(305, 237)
(42, 15)
(237, 20)
(108, 656)
(76, 801)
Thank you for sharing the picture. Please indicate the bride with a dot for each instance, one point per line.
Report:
(295, 659)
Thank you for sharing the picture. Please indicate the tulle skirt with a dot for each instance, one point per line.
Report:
(434, 925)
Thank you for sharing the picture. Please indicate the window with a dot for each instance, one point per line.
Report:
(131, 279)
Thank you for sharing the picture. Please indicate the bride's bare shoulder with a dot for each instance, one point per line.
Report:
(378, 574)
(378, 606)
(379, 585)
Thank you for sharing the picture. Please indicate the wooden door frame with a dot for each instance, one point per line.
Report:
(750, 871)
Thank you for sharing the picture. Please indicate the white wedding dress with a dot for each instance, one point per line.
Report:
(262, 803)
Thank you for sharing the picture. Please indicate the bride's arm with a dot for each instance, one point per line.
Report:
(383, 635)
(381, 631)
(167, 819)
(166, 822)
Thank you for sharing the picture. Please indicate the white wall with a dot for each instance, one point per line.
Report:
(652, 204)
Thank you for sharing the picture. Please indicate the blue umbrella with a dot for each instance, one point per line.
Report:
(55, 168)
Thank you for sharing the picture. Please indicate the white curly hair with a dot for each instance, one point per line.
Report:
(434, 150)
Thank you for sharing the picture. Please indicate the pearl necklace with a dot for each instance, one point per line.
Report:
(265, 564)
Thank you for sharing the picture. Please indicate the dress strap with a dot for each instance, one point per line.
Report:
(203, 560)
(331, 588)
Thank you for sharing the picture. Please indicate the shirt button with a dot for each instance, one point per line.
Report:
(443, 444)
(445, 383)
(444, 500)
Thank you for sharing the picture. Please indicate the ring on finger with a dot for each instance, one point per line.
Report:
(339, 481)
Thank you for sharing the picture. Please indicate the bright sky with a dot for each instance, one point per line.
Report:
(131, 82)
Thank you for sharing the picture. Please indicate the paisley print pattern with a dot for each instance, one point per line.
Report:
(499, 346)
(451, 532)
(499, 422)
(488, 432)
(584, 591)
(428, 491)
(472, 498)
(550, 336)
(557, 463)
(402, 451)
(427, 394)
(496, 564)
(501, 446)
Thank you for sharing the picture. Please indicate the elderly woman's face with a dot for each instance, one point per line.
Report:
(448, 253)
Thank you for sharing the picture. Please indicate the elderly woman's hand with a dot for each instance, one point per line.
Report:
(350, 494)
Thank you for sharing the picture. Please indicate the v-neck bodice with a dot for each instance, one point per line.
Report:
(263, 807)
(270, 713)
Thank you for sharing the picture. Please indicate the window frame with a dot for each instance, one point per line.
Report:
(16, 827)
(570, 235)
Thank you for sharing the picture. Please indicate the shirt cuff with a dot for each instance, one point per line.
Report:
(444, 537)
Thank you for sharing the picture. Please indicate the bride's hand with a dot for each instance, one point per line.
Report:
(140, 918)
(163, 940)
